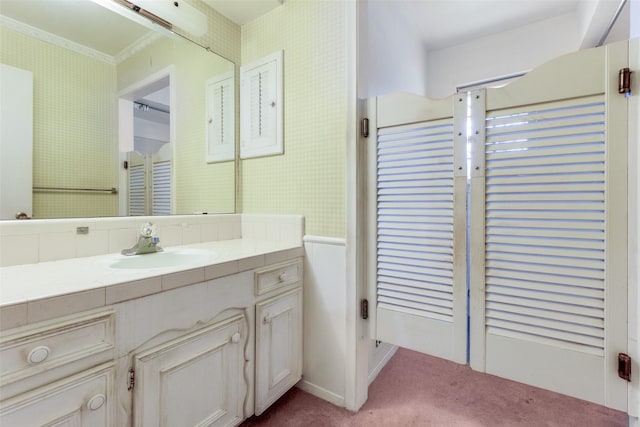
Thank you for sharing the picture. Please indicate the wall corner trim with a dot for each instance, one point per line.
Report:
(325, 240)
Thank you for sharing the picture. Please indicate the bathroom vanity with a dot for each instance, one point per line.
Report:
(208, 341)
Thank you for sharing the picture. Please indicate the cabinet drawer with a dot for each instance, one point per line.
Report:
(80, 400)
(277, 276)
(48, 345)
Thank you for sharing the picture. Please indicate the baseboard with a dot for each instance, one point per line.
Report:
(321, 393)
(385, 359)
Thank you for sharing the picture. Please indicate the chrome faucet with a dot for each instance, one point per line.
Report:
(147, 241)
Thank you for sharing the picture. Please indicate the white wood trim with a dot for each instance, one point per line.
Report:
(45, 36)
(213, 149)
(324, 240)
(369, 146)
(322, 393)
(477, 304)
(563, 72)
(357, 349)
(634, 230)
(249, 148)
(382, 363)
(418, 107)
(616, 219)
(129, 93)
(527, 359)
(427, 336)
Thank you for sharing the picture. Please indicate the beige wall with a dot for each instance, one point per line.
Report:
(198, 185)
(75, 121)
(309, 179)
(73, 126)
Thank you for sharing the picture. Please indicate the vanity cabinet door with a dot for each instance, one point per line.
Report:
(82, 400)
(278, 347)
(197, 379)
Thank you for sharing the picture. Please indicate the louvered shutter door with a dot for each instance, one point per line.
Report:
(420, 285)
(220, 119)
(162, 188)
(261, 103)
(553, 239)
(136, 190)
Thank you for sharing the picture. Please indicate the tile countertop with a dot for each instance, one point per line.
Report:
(29, 284)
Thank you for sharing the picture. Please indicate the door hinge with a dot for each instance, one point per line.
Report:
(624, 366)
(364, 309)
(624, 81)
(364, 127)
(132, 379)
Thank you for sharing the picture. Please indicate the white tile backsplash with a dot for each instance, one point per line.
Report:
(33, 241)
(94, 243)
(209, 232)
(55, 246)
(18, 249)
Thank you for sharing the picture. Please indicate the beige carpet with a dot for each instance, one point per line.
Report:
(419, 390)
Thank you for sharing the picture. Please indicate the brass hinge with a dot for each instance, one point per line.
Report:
(624, 366)
(364, 309)
(364, 127)
(624, 81)
(132, 379)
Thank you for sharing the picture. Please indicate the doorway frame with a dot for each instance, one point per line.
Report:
(125, 99)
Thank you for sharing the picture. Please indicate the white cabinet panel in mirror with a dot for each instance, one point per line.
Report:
(119, 111)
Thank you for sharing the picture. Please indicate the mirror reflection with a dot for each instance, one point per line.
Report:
(123, 120)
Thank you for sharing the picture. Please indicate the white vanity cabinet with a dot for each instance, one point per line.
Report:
(212, 353)
(278, 347)
(194, 380)
(204, 352)
(59, 373)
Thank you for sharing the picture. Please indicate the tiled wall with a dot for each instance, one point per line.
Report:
(309, 179)
(28, 242)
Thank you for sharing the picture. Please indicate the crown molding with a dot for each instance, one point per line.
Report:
(45, 36)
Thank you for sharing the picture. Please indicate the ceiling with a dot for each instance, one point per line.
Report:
(444, 23)
(438, 23)
(243, 11)
(54, 16)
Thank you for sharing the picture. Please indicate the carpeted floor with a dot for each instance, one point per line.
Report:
(419, 390)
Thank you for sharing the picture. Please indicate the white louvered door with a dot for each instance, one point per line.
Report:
(548, 232)
(420, 189)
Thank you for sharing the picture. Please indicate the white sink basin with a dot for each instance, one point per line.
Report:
(168, 258)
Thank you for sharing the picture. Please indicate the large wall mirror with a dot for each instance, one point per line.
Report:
(123, 113)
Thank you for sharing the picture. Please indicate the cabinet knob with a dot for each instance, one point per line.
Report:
(38, 354)
(235, 338)
(283, 277)
(96, 402)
